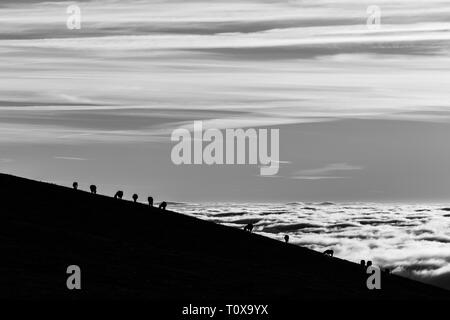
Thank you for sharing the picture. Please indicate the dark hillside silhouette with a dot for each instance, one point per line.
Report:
(131, 250)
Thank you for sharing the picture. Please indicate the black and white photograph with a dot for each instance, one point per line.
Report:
(222, 158)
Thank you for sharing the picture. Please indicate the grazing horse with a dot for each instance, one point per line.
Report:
(328, 253)
(93, 189)
(163, 205)
(118, 195)
(248, 227)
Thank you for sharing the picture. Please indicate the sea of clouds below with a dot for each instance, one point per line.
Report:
(412, 240)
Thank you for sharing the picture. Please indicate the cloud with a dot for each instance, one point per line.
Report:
(69, 158)
(274, 61)
(318, 177)
(442, 239)
(419, 250)
(331, 168)
(320, 173)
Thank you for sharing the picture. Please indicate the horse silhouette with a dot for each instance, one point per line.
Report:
(248, 227)
(163, 205)
(93, 189)
(75, 185)
(118, 195)
(150, 201)
(328, 252)
(135, 197)
(286, 238)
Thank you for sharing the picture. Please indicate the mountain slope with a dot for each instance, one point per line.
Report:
(128, 250)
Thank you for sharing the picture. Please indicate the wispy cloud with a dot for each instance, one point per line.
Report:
(70, 158)
(318, 177)
(276, 61)
(321, 173)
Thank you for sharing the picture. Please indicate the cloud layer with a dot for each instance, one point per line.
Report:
(412, 240)
(292, 61)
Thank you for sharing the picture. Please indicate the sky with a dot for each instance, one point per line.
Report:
(363, 113)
